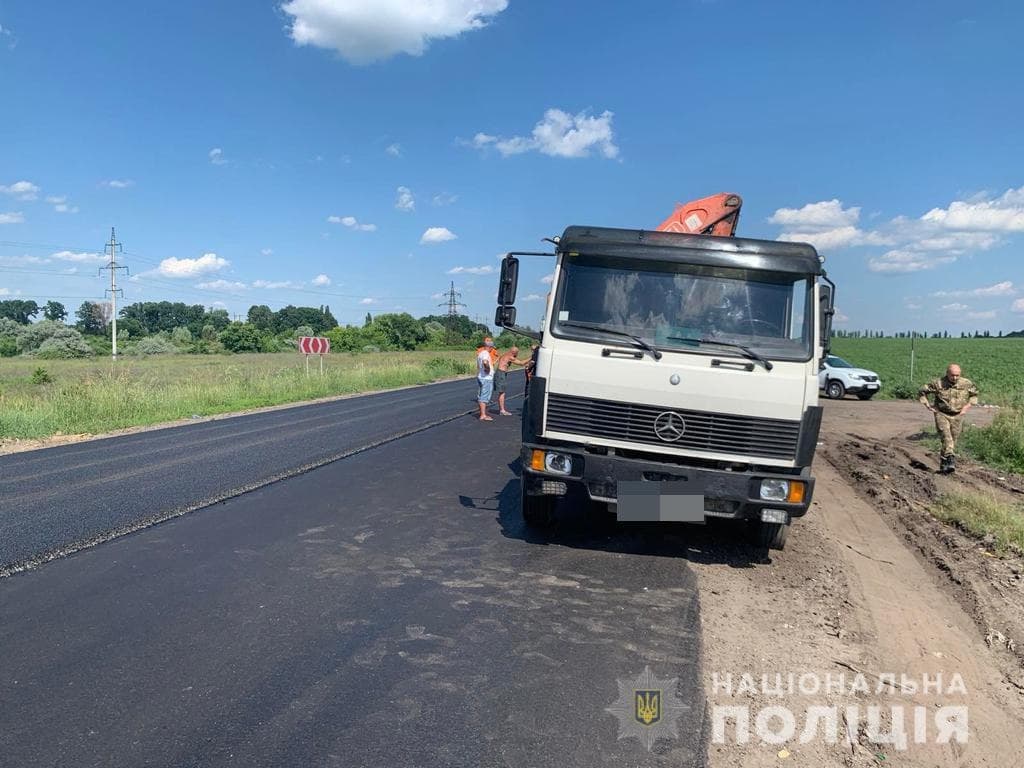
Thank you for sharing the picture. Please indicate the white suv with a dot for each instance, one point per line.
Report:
(837, 377)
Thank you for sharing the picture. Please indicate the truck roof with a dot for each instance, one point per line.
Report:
(704, 250)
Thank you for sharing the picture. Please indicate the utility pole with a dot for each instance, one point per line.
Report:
(453, 305)
(113, 290)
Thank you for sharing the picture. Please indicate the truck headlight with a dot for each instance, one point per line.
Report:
(777, 489)
(774, 489)
(557, 463)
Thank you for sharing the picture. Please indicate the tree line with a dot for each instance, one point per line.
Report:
(164, 327)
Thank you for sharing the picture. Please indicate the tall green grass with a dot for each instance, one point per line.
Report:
(93, 397)
(999, 444)
(984, 516)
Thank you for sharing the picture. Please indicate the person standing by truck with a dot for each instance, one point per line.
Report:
(485, 377)
(501, 376)
(953, 396)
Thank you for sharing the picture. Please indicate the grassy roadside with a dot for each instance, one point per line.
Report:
(1000, 444)
(90, 397)
(985, 517)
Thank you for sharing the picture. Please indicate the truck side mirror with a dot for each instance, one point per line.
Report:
(509, 281)
(826, 310)
(505, 317)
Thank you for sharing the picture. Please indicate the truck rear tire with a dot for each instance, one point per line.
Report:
(538, 511)
(770, 535)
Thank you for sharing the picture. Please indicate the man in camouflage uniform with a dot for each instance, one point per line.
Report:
(953, 396)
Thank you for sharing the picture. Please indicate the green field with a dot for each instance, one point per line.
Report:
(94, 396)
(995, 365)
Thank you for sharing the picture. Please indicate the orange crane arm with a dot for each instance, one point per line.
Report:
(715, 215)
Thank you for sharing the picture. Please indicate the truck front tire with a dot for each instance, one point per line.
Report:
(770, 535)
(538, 511)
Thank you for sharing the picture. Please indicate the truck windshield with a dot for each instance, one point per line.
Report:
(675, 306)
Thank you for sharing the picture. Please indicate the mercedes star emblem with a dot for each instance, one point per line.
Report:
(669, 426)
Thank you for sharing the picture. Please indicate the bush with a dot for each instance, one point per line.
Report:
(31, 337)
(154, 345)
(181, 336)
(65, 344)
(41, 376)
(8, 346)
(904, 392)
(371, 348)
(241, 337)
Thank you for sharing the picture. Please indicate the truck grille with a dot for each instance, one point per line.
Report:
(870, 378)
(701, 431)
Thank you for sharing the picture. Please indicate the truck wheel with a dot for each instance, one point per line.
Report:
(770, 535)
(835, 389)
(538, 511)
(866, 395)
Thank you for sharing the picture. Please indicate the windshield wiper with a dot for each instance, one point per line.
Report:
(747, 351)
(655, 352)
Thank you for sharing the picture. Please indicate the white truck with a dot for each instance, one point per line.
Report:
(676, 376)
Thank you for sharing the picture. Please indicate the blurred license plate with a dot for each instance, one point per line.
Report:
(671, 502)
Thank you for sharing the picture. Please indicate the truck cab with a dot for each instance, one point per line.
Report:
(676, 377)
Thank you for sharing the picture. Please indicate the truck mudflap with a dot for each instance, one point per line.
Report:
(729, 494)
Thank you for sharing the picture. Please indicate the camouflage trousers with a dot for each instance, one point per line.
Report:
(949, 427)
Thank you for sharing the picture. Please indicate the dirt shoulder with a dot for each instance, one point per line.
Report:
(869, 589)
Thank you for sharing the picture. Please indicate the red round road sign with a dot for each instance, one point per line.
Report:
(314, 345)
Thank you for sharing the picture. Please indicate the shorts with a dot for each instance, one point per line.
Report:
(484, 389)
(500, 381)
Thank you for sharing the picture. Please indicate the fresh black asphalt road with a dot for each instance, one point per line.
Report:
(384, 609)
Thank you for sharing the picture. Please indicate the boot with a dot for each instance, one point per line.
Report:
(951, 465)
(945, 465)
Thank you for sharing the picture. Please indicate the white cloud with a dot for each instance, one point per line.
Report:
(222, 285)
(828, 214)
(352, 223)
(395, 150)
(437, 235)
(267, 251)
(272, 284)
(826, 225)
(367, 300)
(81, 258)
(532, 297)
(405, 200)
(204, 265)
(364, 31)
(60, 204)
(21, 190)
(988, 314)
(548, 279)
(217, 156)
(12, 217)
(839, 317)
(5, 291)
(1018, 305)
(559, 134)
(484, 270)
(118, 183)
(439, 295)
(1001, 214)
(321, 280)
(443, 198)
(955, 307)
(899, 261)
(1004, 288)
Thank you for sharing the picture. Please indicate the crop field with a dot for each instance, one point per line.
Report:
(40, 398)
(995, 365)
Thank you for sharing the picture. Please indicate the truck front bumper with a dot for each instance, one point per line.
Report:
(729, 494)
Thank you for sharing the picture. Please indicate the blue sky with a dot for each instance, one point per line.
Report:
(364, 153)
